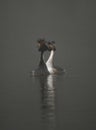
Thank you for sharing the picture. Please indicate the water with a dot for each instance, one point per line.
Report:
(50, 102)
(53, 102)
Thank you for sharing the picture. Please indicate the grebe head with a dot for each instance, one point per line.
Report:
(42, 45)
(51, 46)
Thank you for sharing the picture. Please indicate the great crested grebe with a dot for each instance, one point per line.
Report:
(50, 64)
(42, 68)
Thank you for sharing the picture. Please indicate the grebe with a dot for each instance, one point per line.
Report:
(50, 65)
(42, 68)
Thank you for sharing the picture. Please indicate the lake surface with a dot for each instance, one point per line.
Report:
(62, 102)
(54, 102)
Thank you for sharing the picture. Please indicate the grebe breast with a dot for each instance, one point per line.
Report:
(55, 70)
(50, 62)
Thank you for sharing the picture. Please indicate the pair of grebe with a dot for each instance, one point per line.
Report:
(48, 67)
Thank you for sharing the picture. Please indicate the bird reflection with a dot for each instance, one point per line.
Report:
(48, 102)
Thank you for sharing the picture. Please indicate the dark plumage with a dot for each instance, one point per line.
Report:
(42, 68)
(51, 45)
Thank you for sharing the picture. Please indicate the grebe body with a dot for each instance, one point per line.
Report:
(50, 64)
(42, 68)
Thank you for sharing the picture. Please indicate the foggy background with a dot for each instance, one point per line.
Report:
(72, 24)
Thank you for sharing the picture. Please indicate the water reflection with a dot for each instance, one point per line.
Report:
(48, 102)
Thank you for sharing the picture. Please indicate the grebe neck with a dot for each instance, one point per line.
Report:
(51, 55)
(49, 62)
(41, 59)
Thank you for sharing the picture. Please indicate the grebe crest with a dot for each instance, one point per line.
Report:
(51, 46)
(42, 46)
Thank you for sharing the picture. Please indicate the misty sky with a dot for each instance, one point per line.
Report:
(70, 23)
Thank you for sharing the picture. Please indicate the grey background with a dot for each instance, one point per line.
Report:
(72, 24)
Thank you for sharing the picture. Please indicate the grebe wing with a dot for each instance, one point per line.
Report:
(39, 72)
(59, 69)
